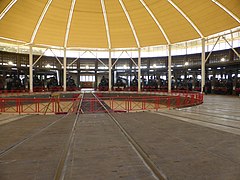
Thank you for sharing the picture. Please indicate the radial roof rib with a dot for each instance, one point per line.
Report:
(156, 21)
(233, 6)
(120, 31)
(5, 7)
(53, 27)
(16, 24)
(186, 17)
(106, 23)
(146, 28)
(130, 23)
(174, 24)
(227, 10)
(69, 23)
(210, 19)
(88, 28)
(40, 21)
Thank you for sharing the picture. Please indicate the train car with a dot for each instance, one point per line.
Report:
(71, 86)
(103, 85)
(134, 84)
(120, 84)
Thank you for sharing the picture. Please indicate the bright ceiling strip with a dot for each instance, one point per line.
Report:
(186, 17)
(106, 23)
(226, 10)
(3, 13)
(156, 21)
(130, 22)
(69, 23)
(40, 20)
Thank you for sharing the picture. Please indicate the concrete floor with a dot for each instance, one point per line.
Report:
(199, 142)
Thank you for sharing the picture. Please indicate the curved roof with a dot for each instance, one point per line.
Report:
(114, 23)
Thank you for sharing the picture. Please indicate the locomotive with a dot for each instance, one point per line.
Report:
(134, 84)
(237, 87)
(120, 84)
(38, 85)
(71, 86)
(1, 83)
(52, 85)
(103, 85)
(13, 83)
(151, 84)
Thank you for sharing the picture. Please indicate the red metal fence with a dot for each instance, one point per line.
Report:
(115, 102)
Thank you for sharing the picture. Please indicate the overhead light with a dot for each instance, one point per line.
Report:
(209, 68)
(154, 65)
(189, 69)
(48, 66)
(124, 66)
(10, 63)
(87, 67)
(218, 68)
(223, 59)
(186, 64)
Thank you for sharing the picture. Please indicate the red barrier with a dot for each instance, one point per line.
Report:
(119, 103)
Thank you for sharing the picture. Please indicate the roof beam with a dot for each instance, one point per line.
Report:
(226, 10)
(40, 21)
(186, 17)
(156, 21)
(9, 6)
(69, 23)
(130, 22)
(106, 24)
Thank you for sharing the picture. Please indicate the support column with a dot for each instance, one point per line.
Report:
(78, 73)
(30, 69)
(110, 71)
(169, 68)
(95, 74)
(139, 69)
(203, 65)
(65, 70)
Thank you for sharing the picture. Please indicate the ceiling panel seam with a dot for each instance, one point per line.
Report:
(8, 7)
(186, 17)
(156, 21)
(227, 10)
(69, 23)
(130, 23)
(40, 21)
(106, 24)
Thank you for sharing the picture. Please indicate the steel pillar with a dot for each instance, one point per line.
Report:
(139, 69)
(203, 65)
(110, 71)
(65, 70)
(169, 68)
(30, 69)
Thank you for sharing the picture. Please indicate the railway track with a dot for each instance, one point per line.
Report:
(30, 137)
(102, 107)
(201, 120)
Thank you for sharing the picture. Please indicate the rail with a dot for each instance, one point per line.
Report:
(22, 141)
(157, 173)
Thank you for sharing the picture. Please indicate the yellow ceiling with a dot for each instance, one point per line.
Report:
(130, 22)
